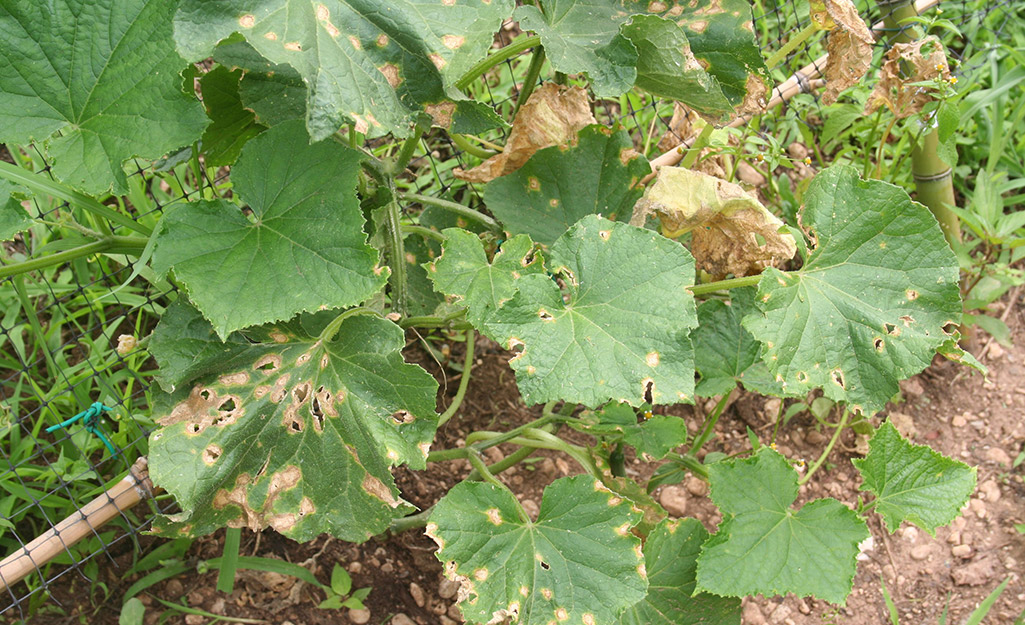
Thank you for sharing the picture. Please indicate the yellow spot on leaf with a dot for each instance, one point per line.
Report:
(247, 21)
(293, 46)
(652, 359)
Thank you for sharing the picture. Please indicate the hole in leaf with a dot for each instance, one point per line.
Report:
(529, 258)
(193, 428)
(228, 405)
(878, 344)
(402, 417)
(838, 378)
(545, 565)
(545, 315)
(301, 392)
(802, 377)
(296, 425)
(318, 414)
(205, 394)
(890, 329)
(268, 363)
(649, 386)
(950, 328)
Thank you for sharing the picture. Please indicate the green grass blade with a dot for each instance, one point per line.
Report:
(229, 559)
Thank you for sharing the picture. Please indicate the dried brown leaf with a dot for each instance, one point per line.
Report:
(551, 116)
(905, 65)
(732, 233)
(849, 44)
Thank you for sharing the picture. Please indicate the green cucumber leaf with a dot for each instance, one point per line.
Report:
(463, 271)
(913, 482)
(13, 216)
(655, 436)
(764, 546)
(231, 124)
(869, 307)
(376, 64)
(670, 555)
(579, 562)
(276, 93)
(725, 354)
(294, 432)
(667, 68)
(421, 250)
(621, 332)
(305, 237)
(558, 186)
(99, 82)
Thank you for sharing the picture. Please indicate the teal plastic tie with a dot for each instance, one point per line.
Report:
(90, 418)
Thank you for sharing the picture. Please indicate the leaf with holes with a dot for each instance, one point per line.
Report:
(464, 271)
(670, 555)
(13, 216)
(578, 562)
(99, 83)
(305, 236)
(559, 185)
(376, 65)
(232, 125)
(295, 432)
(913, 482)
(655, 435)
(764, 546)
(869, 307)
(620, 332)
(725, 354)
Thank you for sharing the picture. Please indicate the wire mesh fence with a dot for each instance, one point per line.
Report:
(73, 335)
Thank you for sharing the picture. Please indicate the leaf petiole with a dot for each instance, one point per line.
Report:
(108, 245)
(519, 45)
(452, 207)
(724, 285)
(829, 448)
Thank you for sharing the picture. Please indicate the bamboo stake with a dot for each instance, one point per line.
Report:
(135, 487)
(804, 80)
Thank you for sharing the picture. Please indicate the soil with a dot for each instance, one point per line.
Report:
(962, 415)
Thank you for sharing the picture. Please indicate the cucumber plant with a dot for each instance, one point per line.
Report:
(286, 399)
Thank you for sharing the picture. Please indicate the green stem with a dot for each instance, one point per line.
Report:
(482, 469)
(328, 333)
(453, 207)
(709, 427)
(469, 147)
(407, 150)
(42, 184)
(829, 448)
(551, 441)
(464, 382)
(519, 45)
(693, 465)
(424, 232)
(110, 245)
(723, 285)
(431, 321)
(791, 45)
(397, 256)
(695, 149)
(530, 80)
(411, 522)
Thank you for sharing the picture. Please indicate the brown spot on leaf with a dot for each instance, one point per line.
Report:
(438, 60)
(391, 74)
(294, 46)
(441, 113)
(211, 454)
(849, 45)
(453, 42)
(268, 363)
(270, 35)
(382, 40)
(377, 489)
(234, 379)
(247, 21)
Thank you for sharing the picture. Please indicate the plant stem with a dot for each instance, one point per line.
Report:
(519, 45)
(110, 245)
(432, 322)
(693, 465)
(453, 207)
(424, 232)
(709, 427)
(467, 146)
(464, 382)
(530, 80)
(829, 448)
(407, 150)
(42, 184)
(723, 285)
(396, 256)
(328, 333)
(695, 149)
(791, 45)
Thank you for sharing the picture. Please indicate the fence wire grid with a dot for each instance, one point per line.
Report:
(61, 329)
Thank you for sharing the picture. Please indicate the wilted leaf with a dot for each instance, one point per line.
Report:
(764, 546)
(599, 174)
(552, 115)
(913, 482)
(292, 432)
(13, 216)
(578, 563)
(670, 555)
(906, 65)
(305, 237)
(232, 124)
(373, 64)
(732, 232)
(611, 335)
(869, 306)
(99, 81)
(849, 45)
(465, 272)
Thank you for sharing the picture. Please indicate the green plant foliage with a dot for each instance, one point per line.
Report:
(463, 271)
(670, 555)
(913, 482)
(869, 307)
(558, 185)
(99, 83)
(232, 125)
(655, 436)
(764, 546)
(13, 217)
(305, 236)
(375, 64)
(578, 562)
(296, 433)
(276, 93)
(612, 336)
(725, 354)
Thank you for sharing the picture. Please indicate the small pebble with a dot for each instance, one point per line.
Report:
(355, 567)
(752, 615)
(780, 614)
(978, 507)
(447, 621)
(174, 589)
(999, 456)
(995, 351)
(359, 617)
(696, 486)
(961, 551)
(954, 538)
(417, 593)
(814, 437)
(802, 607)
(674, 500)
(921, 552)
(447, 588)
(958, 421)
(531, 508)
(402, 619)
(194, 619)
(991, 490)
(387, 567)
